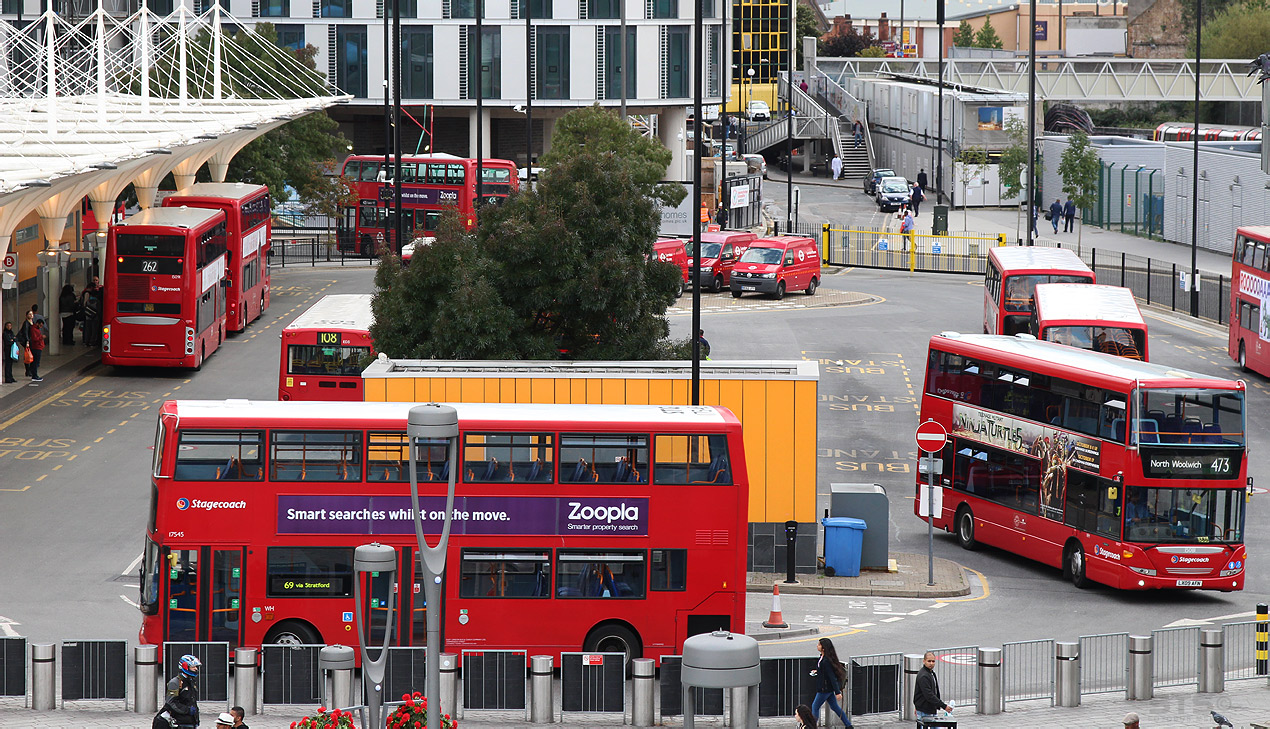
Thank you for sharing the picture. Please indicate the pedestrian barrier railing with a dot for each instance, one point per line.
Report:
(1152, 282)
(1176, 656)
(977, 678)
(1028, 670)
(1240, 651)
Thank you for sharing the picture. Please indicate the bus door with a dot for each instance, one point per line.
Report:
(409, 620)
(204, 594)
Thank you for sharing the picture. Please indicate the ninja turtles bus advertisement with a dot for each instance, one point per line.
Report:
(1057, 449)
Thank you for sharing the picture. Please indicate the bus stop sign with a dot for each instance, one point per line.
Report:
(931, 436)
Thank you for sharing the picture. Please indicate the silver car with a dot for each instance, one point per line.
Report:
(892, 193)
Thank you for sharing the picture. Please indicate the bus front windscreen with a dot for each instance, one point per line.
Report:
(1120, 341)
(1184, 515)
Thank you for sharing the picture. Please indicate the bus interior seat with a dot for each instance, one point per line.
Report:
(718, 472)
(1117, 430)
(491, 469)
(583, 472)
(1157, 415)
(1193, 428)
(623, 472)
(1212, 433)
(1148, 430)
(535, 470)
(1171, 428)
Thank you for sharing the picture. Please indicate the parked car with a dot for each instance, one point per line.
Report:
(871, 180)
(892, 193)
(758, 111)
(756, 161)
(408, 250)
(776, 265)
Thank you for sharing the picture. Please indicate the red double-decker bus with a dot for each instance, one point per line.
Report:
(570, 531)
(430, 185)
(1249, 343)
(1122, 472)
(1011, 278)
(165, 302)
(1090, 316)
(248, 233)
(325, 349)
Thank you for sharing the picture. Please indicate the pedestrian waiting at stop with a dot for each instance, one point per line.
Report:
(68, 303)
(12, 352)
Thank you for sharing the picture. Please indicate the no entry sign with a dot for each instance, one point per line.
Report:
(931, 436)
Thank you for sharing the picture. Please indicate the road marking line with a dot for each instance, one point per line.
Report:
(45, 401)
(865, 625)
(130, 602)
(918, 611)
(123, 423)
(891, 620)
(939, 605)
(133, 565)
(73, 457)
(787, 641)
(135, 415)
(58, 466)
(24, 488)
(982, 580)
(85, 448)
(108, 432)
(41, 478)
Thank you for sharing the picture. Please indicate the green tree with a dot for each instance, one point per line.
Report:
(873, 52)
(330, 194)
(987, 36)
(1236, 31)
(844, 45)
(965, 35)
(805, 26)
(567, 265)
(1013, 163)
(1079, 167)
(1212, 8)
(971, 163)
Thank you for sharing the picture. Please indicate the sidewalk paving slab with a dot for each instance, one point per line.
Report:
(908, 581)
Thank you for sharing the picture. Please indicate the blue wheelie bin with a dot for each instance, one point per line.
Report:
(844, 537)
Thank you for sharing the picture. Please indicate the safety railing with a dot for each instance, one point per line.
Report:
(1103, 663)
(1176, 656)
(875, 683)
(1239, 651)
(958, 674)
(1027, 669)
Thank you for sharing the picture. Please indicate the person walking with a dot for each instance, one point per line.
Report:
(803, 85)
(1069, 215)
(1036, 213)
(11, 352)
(68, 304)
(31, 336)
(238, 713)
(1056, 213)
(906, 229)
(225, 720)
(835, 166)
(703, 343)
(721, 216)
(926, 691)
(922, 179)
(915, 197)
(180, 710)
(857, 131)
(831, 678)
(805, 716)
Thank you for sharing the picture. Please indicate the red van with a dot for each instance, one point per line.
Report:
(776, 265)
(672, 250)
(719, 251)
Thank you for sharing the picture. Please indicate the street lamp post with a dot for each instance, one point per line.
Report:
(370, 559)
(433, 423)
(1199, 23)
(939, 158)
(1031, 125)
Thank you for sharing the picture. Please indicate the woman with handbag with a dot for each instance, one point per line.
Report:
(32, 337)
(9, 352)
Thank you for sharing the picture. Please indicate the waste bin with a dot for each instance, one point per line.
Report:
(939, 225)
(843, 539)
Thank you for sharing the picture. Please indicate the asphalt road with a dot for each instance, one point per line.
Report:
(74, 490)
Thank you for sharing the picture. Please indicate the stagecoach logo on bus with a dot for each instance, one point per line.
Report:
(1250, 285)
(184, 504)
(485, 515)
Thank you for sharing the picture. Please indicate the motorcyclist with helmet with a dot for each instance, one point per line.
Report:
(180, 709)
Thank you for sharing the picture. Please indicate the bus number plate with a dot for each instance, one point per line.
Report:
(328, 338)
(1188, 583)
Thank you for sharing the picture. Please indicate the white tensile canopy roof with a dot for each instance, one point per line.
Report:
(91, 105)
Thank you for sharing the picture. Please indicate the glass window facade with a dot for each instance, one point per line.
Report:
(487, 74)
(553, 62)
(350, 59)
(417, 62)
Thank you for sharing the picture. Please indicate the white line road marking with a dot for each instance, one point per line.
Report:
(940, 604)
(6, 627)
(130, 602)
(890, 620)
(865, 625)
(132, 567)
(918, 612)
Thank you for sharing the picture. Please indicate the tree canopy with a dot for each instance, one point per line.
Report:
(987, 36)
(1013, 162)
(965, 35)
(1237, 30)
(564, 268)
(851, 43)
(805, 26)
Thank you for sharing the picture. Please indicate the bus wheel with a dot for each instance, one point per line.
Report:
(1076, 566)
(966, 529)
(1243, 356)
(612, 638)
(198, 360)
(292, 632)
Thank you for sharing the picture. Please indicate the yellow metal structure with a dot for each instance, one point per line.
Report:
(774, 400)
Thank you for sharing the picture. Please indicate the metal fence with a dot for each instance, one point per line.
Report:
(1027, 670)
(1104, 666)
(1176, 656)
(311, 250)
(875, 684)
(748, 189)
(1239, 650)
